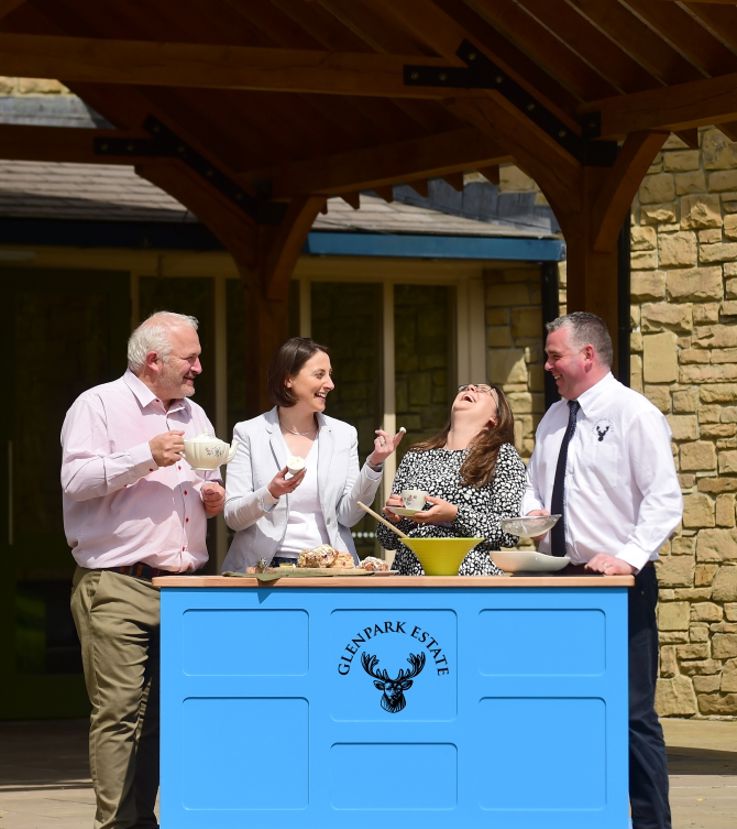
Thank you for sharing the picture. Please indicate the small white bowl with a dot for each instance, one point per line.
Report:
(529, 526)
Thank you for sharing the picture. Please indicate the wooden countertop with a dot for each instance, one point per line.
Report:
(374, 581)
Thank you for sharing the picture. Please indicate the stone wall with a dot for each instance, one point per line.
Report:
(684, 359)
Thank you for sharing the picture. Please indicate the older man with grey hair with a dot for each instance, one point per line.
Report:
(133, 509)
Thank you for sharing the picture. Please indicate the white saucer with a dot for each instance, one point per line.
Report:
(404, 512)
(523, 561)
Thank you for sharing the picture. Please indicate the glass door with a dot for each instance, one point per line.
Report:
(64, 332)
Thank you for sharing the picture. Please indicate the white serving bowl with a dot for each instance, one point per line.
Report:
(523, 561)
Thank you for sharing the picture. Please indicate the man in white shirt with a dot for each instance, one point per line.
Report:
(621, 502)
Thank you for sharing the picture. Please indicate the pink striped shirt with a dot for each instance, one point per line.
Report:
(119, 507)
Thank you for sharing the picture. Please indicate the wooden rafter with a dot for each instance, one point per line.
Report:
(677, 107)
(147, 63)
(620, 187)
(7, 6)
(20, 142)
(364, 169)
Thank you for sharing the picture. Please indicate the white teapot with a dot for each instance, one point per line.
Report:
(208, 452)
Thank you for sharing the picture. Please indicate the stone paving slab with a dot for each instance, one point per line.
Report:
(44, 780)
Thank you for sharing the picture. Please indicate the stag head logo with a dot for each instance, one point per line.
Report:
(392, 698)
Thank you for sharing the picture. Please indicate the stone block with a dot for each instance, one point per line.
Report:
(724, 586)
(498, 336)
(676, 571)
(718, 393)
(643, 260)
(730, 226)
(699, 455)
(701, 667)
(700, 211)
(707, 374)
(707, 684)
(722, 180)
(718, 704)
(695, 650)
(725, 510)
(526, 322)
(705, 313)
(723, 252)
(668, 661)
(677, 250)
(698, 510)
(660, 359)
(695, 285)
(729, 677)
(675, 697)
(659, 315)
(699, 633)
(683, 427)
(657, 188)
(659, 396)
(658, 214)
(729, 309)
(716, 545)
(717, 485)
(704, 574)
(673, 637)
(728, 463)
(673, 616)
(730, 611)
(507, 365)
(717, 151)
(706, 612)
(682, 545)
(680, 161)
(685, 400)
(710, 236)
(724, 645)
(691, 594)
(643, 238)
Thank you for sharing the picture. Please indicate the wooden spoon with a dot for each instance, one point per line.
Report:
(382, 520)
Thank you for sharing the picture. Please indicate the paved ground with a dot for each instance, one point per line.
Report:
(44, 779)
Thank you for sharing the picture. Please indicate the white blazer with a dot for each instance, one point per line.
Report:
(261, 453)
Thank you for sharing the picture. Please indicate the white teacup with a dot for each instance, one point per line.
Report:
(414, 498)
(208, 452)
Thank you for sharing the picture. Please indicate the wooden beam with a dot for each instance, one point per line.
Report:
(672, 108)
(229, 224)
(146, 63)
(540, 156)
(283, 245)
(456, 151)
(19, 142)
(7, 6)
(620, 187)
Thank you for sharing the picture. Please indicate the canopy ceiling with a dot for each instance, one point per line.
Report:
(252, 112)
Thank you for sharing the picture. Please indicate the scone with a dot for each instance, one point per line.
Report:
(343, 561)
(322, 556)
(374, 565)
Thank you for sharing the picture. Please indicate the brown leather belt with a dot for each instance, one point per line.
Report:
(145, 571)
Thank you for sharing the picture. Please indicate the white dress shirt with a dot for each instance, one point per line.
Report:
(622, 495)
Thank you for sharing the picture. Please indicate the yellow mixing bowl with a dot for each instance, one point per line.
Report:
(441, 556)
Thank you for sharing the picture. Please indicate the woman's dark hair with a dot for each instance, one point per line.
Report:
(286, 362)
(480, 461)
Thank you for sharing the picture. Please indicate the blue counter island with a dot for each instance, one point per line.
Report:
(394, 702)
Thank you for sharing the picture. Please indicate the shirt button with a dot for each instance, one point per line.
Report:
(186, 520)
(183, 549)
(185, 492)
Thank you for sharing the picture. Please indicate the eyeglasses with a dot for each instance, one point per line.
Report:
(484, 388)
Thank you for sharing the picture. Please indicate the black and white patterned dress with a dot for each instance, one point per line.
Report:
(480, 508)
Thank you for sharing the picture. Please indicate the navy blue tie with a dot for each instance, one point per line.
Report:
(558, 533)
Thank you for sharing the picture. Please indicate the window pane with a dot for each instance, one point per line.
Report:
(424, 336)
(347, 319)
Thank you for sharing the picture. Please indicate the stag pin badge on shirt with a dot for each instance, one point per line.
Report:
(602, 429)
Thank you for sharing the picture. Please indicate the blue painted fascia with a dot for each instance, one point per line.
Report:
(417, 246)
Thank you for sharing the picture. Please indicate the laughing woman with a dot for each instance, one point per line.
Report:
(474, 478)
(277, 514)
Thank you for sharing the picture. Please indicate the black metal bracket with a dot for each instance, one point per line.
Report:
(483, 73)
(164, 143)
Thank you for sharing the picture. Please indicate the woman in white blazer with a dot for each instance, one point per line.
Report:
(275, 513)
